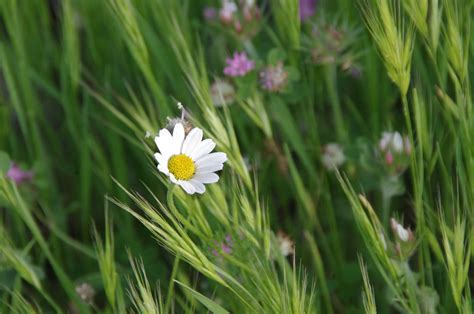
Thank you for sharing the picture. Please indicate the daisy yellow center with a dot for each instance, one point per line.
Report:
(182, 167)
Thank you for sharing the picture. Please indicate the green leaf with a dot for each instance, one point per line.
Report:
(25, 269)
(293, 73)
(275, 55)
(290, 131)
(208, 303)
(4, 162)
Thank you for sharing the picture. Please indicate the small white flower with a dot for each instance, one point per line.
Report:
(147, 134)
(403, 234)
(227, 10)
(187, 159)
(249, 3)
(86, 292)
(222, 93)
(333, 156)
(287, 246)
(391, 141)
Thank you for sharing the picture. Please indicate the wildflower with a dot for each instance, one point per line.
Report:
(86, 292)
(334, 44)
(395, 151)
(333, 156)
(391, 141)
(19, 176)
(274, 78)
(209, 13)
(225, 246)
(405, 243)
(400, 232)
(249, 3)
(187, 159)
(227, 11)
(351, 68)
(287, 246)
(239, 17)
(172, 122)
(222, 93)
(239, 65)
(307, 9)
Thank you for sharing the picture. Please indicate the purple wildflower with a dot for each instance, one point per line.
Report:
(307, 9)
(274, 78)
(210, 13)
(18, 175)
(239, 65)
(228, 239)
(226, 249)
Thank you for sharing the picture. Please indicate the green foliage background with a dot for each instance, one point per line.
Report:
(81, 82)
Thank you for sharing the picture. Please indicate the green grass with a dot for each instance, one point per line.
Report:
(83, 82)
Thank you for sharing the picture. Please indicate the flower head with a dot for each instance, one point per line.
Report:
(400, 232)
(287, 246)
(239, 65)
(209, 13)
(227, 11)
(274, 78)
(19, 176)
(187, 159)
(222, 93)
(405, 243)
(391, 141)
(395, 151)
(307, 9)
(333, 156)
(86, 292)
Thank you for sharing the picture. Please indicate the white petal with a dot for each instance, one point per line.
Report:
(210, 168)
(211, 159)
(163, 168)
(158, 156)
(161, 159)
(402, 233)
(397, 142)
(178, 138)
(204, 148)
(198, 186)
(206, 177)
(173, 179)
(188, 187)
(163, 141)
(192, 140)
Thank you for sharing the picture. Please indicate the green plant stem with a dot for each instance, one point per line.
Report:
(174, 272)
(331, 84)
(30, 222)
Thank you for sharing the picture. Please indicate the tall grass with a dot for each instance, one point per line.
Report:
(85, 86)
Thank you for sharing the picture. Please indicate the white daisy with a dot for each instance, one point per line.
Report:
(187, 159)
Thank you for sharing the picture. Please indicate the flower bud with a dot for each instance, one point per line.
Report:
(401, 234)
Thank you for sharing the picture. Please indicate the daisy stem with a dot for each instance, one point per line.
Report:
(177, 259)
